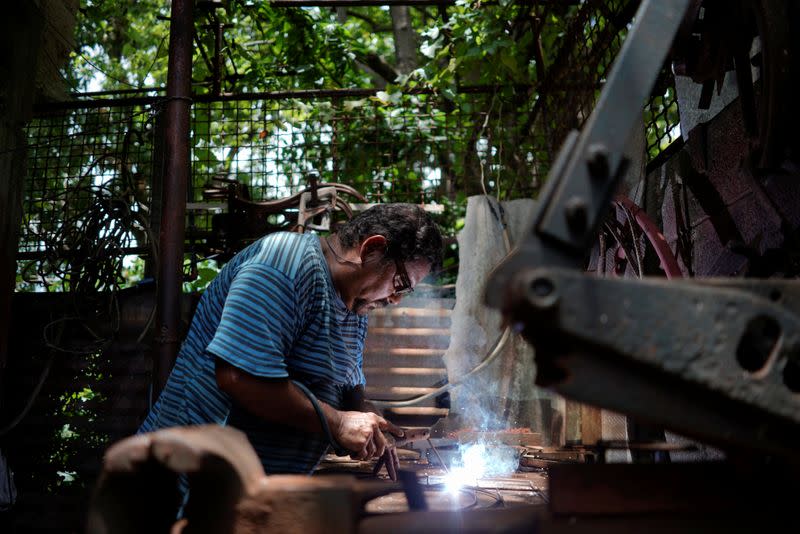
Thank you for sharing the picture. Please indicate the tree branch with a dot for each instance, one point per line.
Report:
(380, 66)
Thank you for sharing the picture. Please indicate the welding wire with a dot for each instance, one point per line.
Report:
(322, 421)
(474, 496)
(446, 470)
(498, 347)
(499, 501)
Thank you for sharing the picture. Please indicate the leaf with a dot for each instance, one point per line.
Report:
(430, 48)
(510, 62)
(350, 105)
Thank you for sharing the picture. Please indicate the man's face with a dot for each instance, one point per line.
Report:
(386, 283)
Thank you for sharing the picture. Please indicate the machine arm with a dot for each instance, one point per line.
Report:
(713, 360)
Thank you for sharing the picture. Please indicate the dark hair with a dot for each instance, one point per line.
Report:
(410, 232)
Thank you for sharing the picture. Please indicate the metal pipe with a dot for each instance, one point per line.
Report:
(354, 3)
(176, 178)
(269, 95)
(412, 3)
(114, 92)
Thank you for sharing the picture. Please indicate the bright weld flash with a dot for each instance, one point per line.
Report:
(471, 467)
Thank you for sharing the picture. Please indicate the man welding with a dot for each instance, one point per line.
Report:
(275, 346)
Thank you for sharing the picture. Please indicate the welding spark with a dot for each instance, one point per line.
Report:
(479, 460)
(469, 469)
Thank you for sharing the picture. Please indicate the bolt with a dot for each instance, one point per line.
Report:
(542, 287)
(542, 292)
(597, 161)
(577, 213)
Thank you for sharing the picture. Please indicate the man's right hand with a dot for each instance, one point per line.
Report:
(361, 433)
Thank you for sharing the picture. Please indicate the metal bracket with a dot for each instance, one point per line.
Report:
(317, 203)
(711, 359)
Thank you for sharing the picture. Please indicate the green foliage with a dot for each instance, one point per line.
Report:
(125, 44)
(125, 41)
(78, 408)
(201, 274)
(438, 146)
(662, 120)
(269, 48)
(451, 221)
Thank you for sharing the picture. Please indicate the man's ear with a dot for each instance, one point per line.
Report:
(373, 248)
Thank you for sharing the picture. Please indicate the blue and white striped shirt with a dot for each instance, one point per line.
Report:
(272, 312)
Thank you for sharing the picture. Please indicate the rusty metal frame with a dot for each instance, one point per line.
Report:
(176, 179)
(711, 359)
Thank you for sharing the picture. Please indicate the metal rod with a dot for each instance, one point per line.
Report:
(420, 3)
(349, 3)
(119, 92)
(436, 452)
(269, 95)
(170, 268)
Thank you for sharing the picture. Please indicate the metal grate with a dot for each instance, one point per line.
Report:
(96, 165)
(572, 83)
(87, 196)
(417, 148)
(661, 118)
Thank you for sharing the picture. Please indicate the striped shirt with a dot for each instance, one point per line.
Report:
(272, 312)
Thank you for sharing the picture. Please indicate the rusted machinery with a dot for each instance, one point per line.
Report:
(714, 359)
(245, 220)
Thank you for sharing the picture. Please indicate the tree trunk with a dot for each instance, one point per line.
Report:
(405, 40)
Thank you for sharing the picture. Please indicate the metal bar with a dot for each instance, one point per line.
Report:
(170, 268)
(699, 344)
(333, 93)
(592, 171)
(119, 92)
(412, 3)
(51, 107)
(355, 3)
(244, 97)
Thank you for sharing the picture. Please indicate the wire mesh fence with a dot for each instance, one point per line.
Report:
(94, 171)
(418, 148)
(662, 122)
(572, 83)
(87, 196)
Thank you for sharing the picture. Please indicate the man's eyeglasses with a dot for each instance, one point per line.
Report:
(401, 281)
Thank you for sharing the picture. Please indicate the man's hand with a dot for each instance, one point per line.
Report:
(398, 436)
(389, 458)
(361, 433)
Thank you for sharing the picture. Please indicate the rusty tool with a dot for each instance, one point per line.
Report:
(228, 490)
